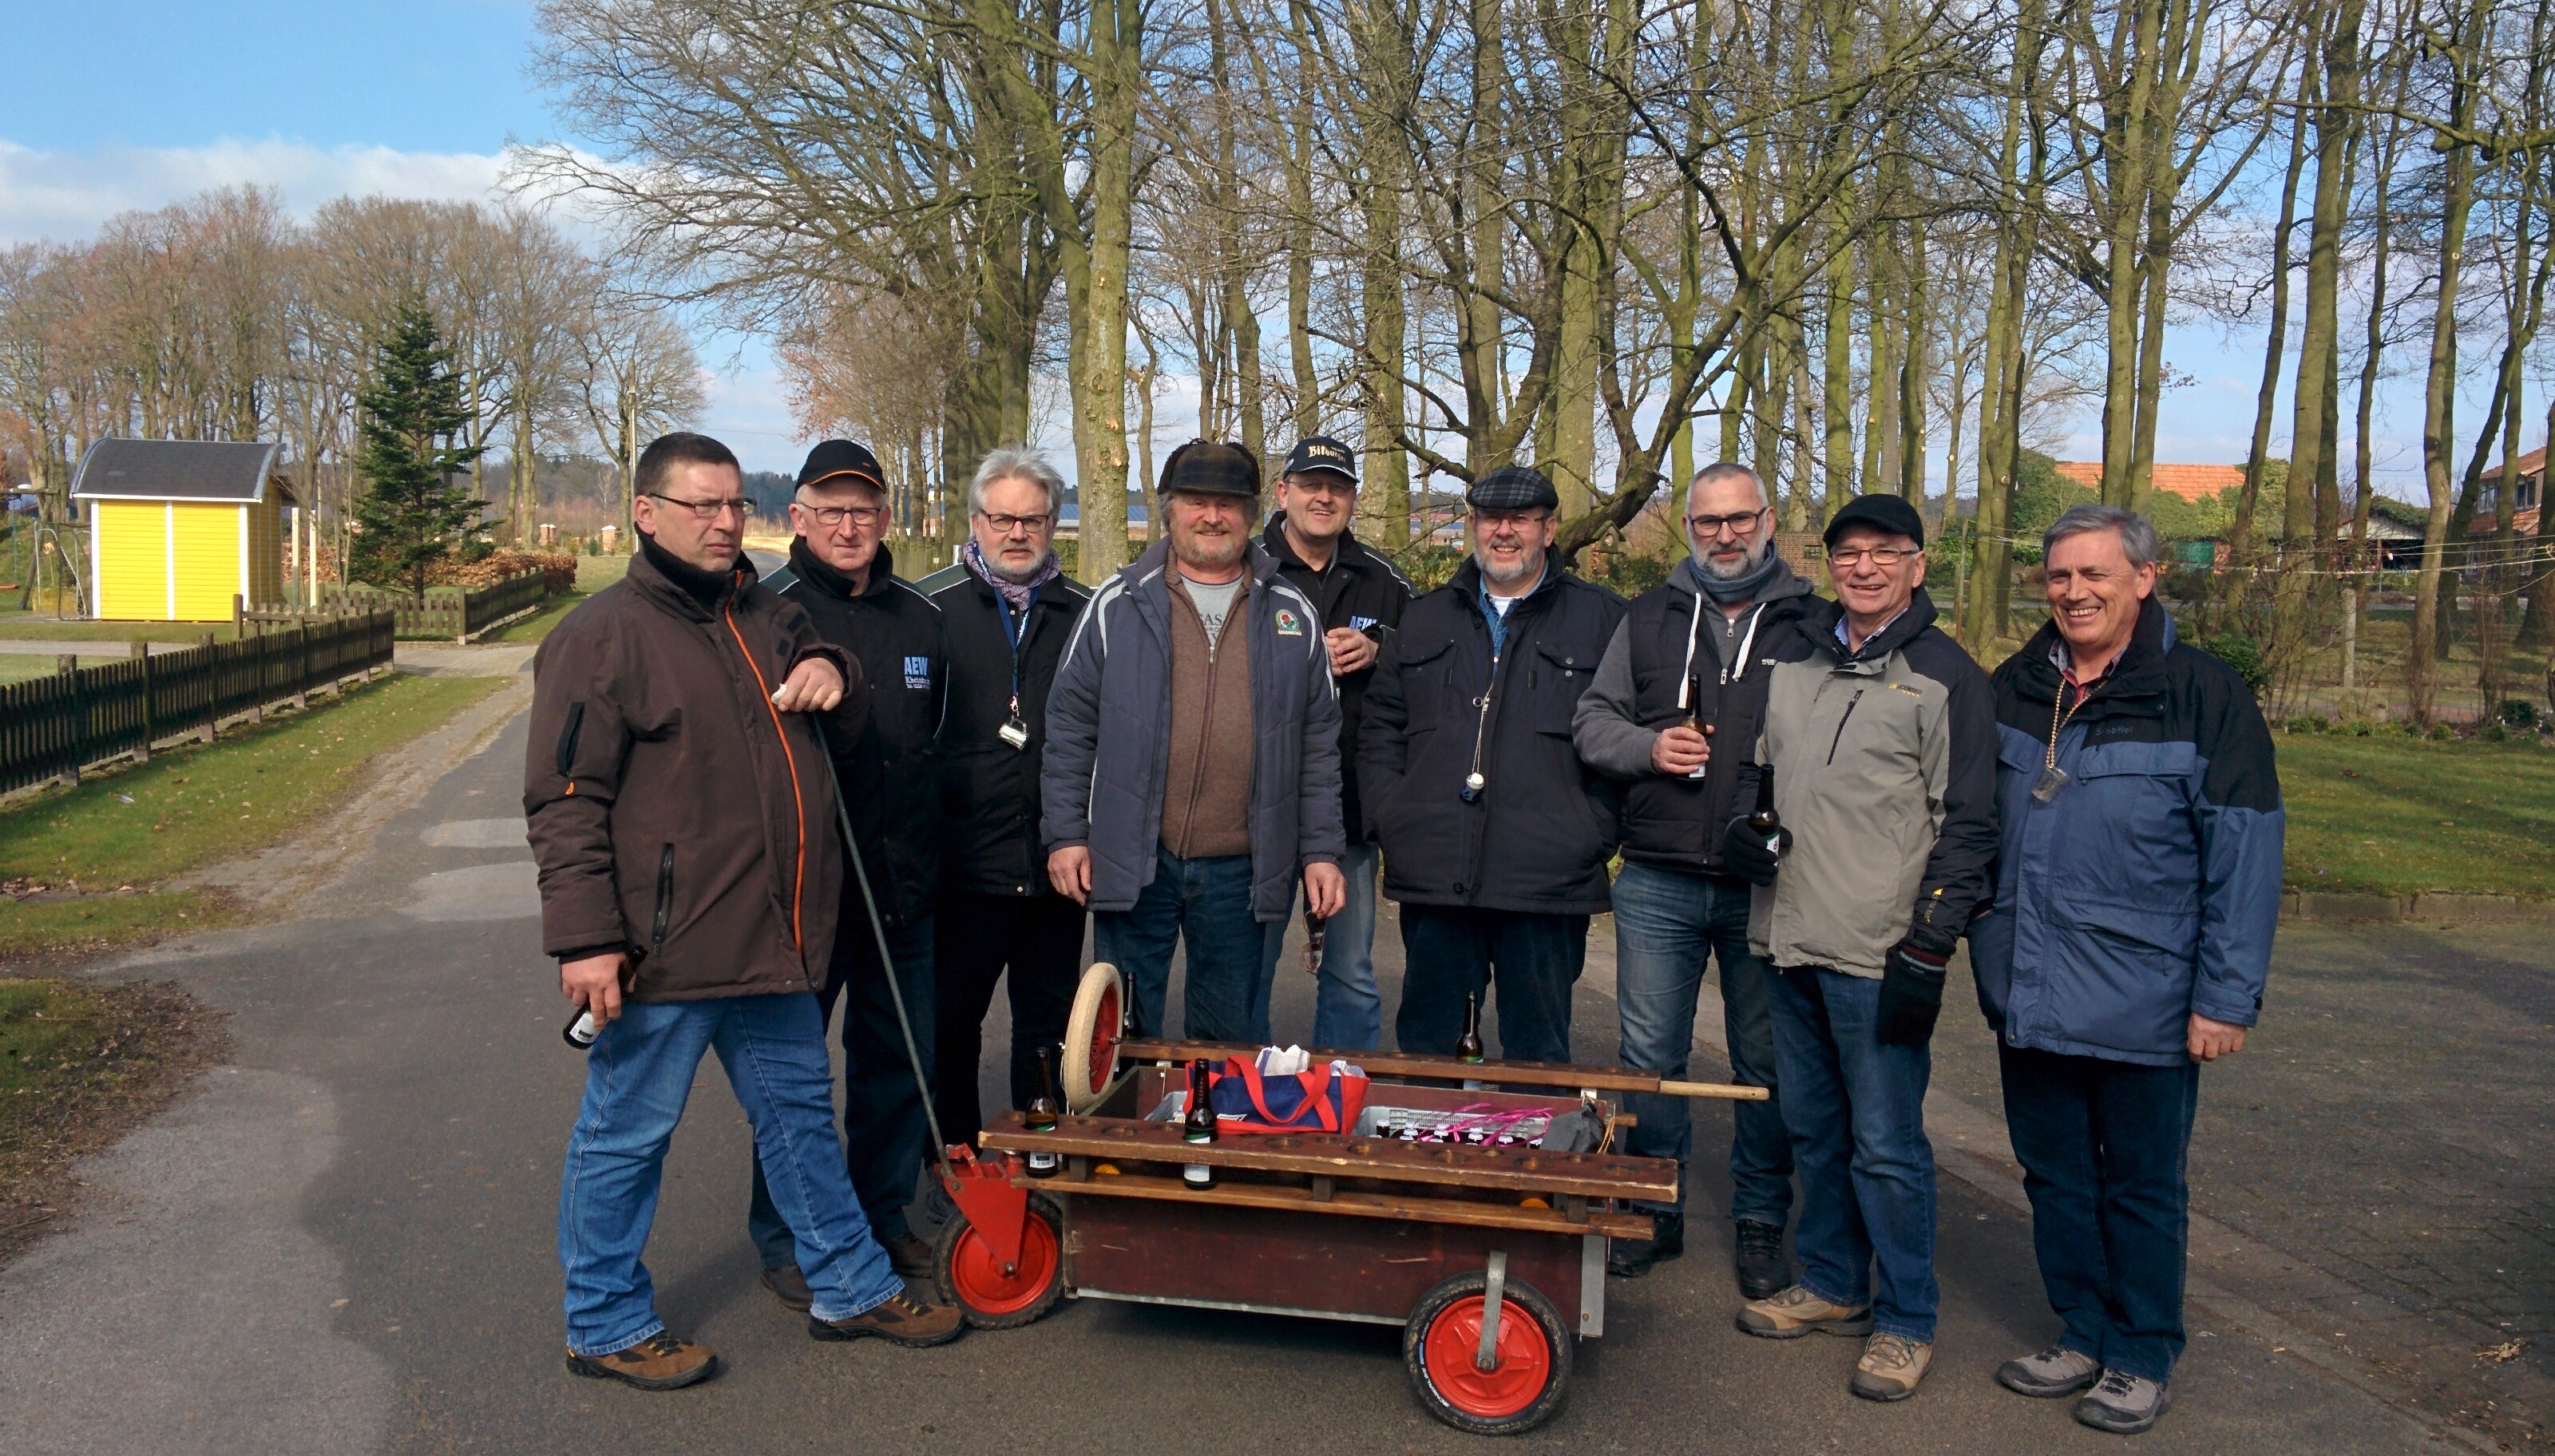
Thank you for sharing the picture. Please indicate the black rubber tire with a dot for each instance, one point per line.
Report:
(946, 1249)
(1517, 1298)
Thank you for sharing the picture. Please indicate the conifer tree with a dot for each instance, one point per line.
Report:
(410, 422)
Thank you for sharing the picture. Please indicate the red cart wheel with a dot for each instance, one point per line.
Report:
(1530, 1372)
(971, 1274)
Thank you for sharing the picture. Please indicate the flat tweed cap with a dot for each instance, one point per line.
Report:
(1513, 488)
(1207, 468)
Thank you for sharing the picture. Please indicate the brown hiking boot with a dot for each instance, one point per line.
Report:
(789, 1286)
(1797, 1312)
(902, 1320)
(659, 1363)
(909, 1255)
(1891, 1367)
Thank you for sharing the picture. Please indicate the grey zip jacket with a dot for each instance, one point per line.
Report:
(1108, 727)
(1882, 764)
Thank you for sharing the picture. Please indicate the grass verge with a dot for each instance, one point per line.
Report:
(79, 1065)
(2398, 815)
(80, 867)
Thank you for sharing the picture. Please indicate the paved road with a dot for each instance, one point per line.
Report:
(344, 1243)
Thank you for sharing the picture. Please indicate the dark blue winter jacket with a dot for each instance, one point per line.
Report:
(2146, 889)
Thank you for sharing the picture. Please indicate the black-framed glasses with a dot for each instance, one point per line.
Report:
(1743, 523)
(830, 517)
(1525, 519)
(708, 510)
(1884, 557)
(1006, 525)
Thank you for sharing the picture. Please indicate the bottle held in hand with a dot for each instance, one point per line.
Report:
(1694, 720)
(1769, 826)
(1468, 1047)
(1040, 1116)
(581, 1030)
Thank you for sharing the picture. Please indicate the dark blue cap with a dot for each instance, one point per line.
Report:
(1890, 515)
(1321, 452)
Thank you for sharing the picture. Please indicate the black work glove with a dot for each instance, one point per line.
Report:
(1911, 994)
(1744, 852)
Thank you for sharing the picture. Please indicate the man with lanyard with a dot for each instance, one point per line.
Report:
(1495, 836)
(841, 572)
(2138, 893)
(1006, 610)
(1360, 596)
(1684, 656)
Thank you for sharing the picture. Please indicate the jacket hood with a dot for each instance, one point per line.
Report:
(1819, 625)
(1785, 585)
(818, 573)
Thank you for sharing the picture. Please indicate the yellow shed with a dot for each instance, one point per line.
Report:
(179, 527)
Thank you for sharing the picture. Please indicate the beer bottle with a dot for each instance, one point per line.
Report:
(1041, 1116)
(1768, 825)
(1468, 1047)
(1694, 720)
(1198, 1126)
(581, 1030)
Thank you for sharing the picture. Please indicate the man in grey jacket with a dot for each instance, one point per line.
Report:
(1878, 751)
(1690, 651)
(1192, 768)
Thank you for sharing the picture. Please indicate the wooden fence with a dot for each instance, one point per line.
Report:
(456, 612)
(54, 727)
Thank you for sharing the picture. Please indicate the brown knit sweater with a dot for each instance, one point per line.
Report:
(1206, 794)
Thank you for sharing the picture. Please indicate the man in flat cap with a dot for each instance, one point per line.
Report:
(1495, 836)
(1878, 751)
(1192, 770)
(1360, 596)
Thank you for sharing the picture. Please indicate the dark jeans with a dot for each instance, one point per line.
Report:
(1203, 906)
(2104, 1148)
(977, 939)
(886, 1137)
(1451, 953)
(1857, 1111)
(1667, 926)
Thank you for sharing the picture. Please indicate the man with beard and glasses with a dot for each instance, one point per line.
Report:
(1495, 835)
(1691, 651)
(1007, 610)
(1192, 770)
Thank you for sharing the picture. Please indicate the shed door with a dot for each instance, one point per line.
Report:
(208, 550)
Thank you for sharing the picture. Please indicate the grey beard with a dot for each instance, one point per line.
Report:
(1754, 558)
(1196, 553)
(1526, 570)
(1016, 579)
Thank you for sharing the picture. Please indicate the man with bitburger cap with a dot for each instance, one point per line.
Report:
(1879, 751)
(1496, 837)
(1360, 596)
(843, 574)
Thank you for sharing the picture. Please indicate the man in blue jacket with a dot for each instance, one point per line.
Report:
(2136, 895)
(1192, 768)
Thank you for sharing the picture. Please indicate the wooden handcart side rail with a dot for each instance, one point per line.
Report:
(1350, 1204)
(1496, 1073)
(1521, 1170)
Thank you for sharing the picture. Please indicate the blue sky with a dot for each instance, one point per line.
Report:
(136, 104)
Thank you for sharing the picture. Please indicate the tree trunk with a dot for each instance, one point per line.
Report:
(2266, 398)
(2439, 394)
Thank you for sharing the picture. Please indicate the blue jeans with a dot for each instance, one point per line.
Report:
(1203, 906)
(1857, 1111)
(886, 1137)
(2105, 1148)
(637, 1079)
(1450, 952)
(1666, 924)
(1348, 1013)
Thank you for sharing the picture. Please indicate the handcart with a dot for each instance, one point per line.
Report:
(1490, 1258)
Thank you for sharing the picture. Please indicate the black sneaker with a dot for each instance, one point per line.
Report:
(1629, 1259)
(1764, 1272)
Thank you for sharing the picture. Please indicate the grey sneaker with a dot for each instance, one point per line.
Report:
(2054, 1371)
(2124, 1403)
(1891, 1367)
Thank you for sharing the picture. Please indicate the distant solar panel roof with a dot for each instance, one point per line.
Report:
(178, 470)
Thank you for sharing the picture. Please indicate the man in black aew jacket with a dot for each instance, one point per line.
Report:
(1007, 610)
(840, 571)
(1495, 835)
(1360, 597)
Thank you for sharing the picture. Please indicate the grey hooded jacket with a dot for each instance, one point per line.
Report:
(1109, 723)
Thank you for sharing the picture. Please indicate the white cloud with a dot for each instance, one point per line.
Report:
(66, 194)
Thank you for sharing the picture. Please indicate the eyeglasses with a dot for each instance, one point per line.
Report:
(1508, 520)
(1006, 525)
(1744, 524)
(1884, 557)
(830, 517)
(708, 510)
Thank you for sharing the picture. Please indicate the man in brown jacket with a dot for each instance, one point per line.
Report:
(676, 796)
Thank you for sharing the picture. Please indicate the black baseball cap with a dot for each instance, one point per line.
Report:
(1891, 515)
(832, 458)
(1321, 452)
(1513, 488)
(1206, 468)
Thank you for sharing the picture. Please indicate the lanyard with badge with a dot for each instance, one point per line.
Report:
(1014, 730)
(2054, 778)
